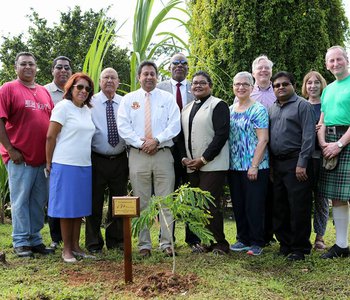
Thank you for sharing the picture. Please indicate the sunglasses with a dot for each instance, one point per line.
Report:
(283, 84)
(177, 62)
(80, 87)
(60, 67)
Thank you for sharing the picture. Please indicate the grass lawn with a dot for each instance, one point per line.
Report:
(236, 276)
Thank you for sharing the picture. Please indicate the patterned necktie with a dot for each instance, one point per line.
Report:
(113, 138)
(148, 120)
(178, 95)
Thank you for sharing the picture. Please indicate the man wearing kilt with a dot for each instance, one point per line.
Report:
(334, 137)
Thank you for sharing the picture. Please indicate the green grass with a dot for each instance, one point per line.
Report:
(236, 276)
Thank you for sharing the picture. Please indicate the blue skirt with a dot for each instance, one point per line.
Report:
(70, 193)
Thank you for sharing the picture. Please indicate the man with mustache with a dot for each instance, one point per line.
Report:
(292, 141)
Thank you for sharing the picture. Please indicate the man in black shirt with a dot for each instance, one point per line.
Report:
(292, 139)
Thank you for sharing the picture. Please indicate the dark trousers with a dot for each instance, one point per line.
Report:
(55, 229)
(292, 207)
(111, 174)
(268, 236)
(180, 178)
(213, 182)
(248, 201)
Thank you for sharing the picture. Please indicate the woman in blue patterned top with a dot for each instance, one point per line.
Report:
(249, 165)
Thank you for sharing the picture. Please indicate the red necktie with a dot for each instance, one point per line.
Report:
(178, 95)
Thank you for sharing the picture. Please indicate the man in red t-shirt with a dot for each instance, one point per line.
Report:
(25, 110)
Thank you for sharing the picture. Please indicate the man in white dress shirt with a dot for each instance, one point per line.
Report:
(148, 120)
(109, 166)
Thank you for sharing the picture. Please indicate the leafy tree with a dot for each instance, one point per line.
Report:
(71, 37)
(228, 34)
(186, 204)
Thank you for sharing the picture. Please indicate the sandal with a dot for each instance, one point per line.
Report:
(320, 244)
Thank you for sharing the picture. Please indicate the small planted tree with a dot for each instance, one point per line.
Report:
(187, 204)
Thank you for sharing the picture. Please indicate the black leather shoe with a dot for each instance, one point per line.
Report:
(335, 251)
(95, 251)
(295, 256)
(42, 249)
(23, 251)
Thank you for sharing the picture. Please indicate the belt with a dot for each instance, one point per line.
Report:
(161, 148)
(287, 156)
(336, 129)
(109, 157)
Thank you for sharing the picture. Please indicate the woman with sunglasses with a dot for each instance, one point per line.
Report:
(249, 166)
(68, 151)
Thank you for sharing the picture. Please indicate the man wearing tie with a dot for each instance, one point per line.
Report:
(148, 120)
(180, 87)
(109, 165)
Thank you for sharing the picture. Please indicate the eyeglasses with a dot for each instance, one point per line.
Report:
(283, 84)
(80, 87)
(177, 62)
(244, 84)
(200, 83)
(60, 67)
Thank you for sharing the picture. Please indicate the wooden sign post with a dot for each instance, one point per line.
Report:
(127, 208)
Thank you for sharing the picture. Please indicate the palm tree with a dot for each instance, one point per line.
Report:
(144, 30)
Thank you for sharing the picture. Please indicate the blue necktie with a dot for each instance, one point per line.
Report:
(113, 138)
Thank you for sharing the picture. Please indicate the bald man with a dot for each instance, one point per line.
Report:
(109, 165)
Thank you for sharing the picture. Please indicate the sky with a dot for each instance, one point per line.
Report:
(13, 18)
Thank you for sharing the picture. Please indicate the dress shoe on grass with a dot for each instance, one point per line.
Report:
(42, 249)
(295, 256)
(335, 251)
(169, 252)
(145, 253)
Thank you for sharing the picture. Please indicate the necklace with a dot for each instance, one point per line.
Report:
(33, 91)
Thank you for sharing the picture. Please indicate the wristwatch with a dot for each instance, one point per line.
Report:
(340, 144)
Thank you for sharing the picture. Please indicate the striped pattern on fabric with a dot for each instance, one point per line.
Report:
(148, 117)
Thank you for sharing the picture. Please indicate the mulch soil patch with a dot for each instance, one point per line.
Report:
(148, 280)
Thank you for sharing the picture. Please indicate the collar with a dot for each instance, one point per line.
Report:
(263, 89)
(202, 100)
(292, 99)
(105, 99)
(174, 82)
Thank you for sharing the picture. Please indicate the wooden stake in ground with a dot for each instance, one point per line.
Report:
(127, 208)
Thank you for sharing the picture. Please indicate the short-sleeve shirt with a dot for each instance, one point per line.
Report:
(243, 138)
(335, 102)
(26, 112)
(73, 144)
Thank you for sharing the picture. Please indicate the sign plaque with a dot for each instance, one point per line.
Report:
(126, 206)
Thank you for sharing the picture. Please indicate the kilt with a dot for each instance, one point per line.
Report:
(335, 184)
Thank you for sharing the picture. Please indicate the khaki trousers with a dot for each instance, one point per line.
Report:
(153, 174)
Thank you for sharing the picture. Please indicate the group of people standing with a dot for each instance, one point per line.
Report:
(163, 135)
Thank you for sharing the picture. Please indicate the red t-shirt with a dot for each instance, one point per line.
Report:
(27, 115)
